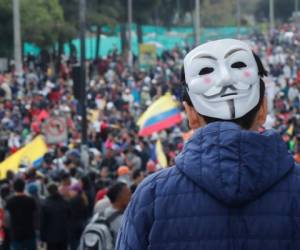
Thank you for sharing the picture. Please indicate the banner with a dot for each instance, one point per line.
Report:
(147, 55)
(31, 155)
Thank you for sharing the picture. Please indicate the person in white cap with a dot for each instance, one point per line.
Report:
(232, 187)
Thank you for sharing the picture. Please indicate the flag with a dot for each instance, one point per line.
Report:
(31, 154)
(162, 114)
(160, 155)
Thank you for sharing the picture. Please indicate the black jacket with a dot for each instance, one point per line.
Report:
(55, 217)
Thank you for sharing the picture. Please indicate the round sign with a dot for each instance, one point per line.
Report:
(56, 126)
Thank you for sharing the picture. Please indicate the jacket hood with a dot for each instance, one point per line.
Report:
(232, 164)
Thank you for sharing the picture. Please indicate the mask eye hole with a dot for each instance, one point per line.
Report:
(238, 65)
(206, 70)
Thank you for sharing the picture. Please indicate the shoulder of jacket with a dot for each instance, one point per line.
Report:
(146, 192)
(159, 176)
(296, 170)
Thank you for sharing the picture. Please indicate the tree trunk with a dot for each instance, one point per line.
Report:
(60, 52)
(73, 52)
(124, 42)
(98, 39)
(139, 31)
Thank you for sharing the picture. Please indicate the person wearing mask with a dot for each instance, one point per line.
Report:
(232, 187)
(21, 209)
(55, 215)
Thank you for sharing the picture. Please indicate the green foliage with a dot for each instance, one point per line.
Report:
(6, 41)
(41, 21)
(218, 13)
(283, 9)
(212, 12)
(70, 27)
(143, 10)
(101, 13)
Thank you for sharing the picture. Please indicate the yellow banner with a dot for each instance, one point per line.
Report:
(147, 56)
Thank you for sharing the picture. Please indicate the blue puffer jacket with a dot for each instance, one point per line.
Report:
(230, 189)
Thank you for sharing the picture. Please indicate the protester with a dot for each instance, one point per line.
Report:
(55, 220)
(21, 209)
(79, 214)
(119, 195)
(230, 182)
(123, 173)
(137, 178)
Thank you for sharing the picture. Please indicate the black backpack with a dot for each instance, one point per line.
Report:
(97, 234)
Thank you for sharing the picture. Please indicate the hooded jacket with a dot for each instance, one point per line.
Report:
(230, 189)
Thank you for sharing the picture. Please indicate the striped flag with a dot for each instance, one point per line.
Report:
(163, 113)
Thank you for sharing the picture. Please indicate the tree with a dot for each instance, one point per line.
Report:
(283, 9)
(142, 11)
(101, 13)
(41, 21)
(70, 27)
(166, 11)
(6, 26)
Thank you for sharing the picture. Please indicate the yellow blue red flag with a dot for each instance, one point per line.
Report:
(162, 114)
(31, 154)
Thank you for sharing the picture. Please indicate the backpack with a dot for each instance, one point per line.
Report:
(97, 234)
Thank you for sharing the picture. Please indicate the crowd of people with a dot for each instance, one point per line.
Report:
(53, 202)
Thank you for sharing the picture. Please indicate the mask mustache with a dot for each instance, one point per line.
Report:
(221, 92)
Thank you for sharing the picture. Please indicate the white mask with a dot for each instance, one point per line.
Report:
(222, 79)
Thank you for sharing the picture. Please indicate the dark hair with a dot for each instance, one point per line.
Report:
(73, 172)
(100, 184)
(245, 121)
(86, 182)
(4, 191)
(52, 189)
(64, 175)
(31, 174)
(136, 174)
(19, 185)
(115, 190)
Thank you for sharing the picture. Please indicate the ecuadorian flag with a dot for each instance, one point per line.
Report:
(162, 114)
(32, 155)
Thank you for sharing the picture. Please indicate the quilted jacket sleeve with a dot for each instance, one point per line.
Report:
(138, 218)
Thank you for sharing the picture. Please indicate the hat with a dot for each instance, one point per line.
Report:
(123, 170)
(223, 78)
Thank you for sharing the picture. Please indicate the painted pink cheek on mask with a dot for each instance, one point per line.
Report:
(247, 73)
(207, 80)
